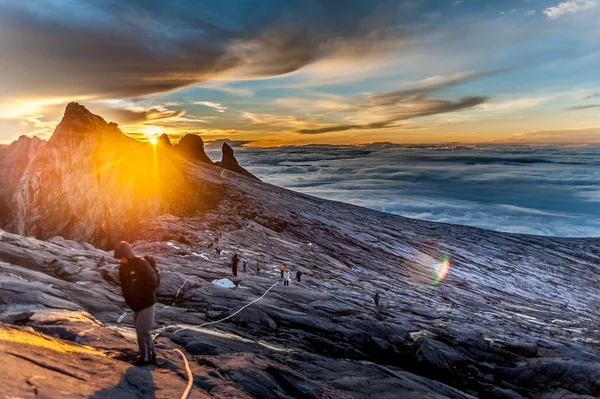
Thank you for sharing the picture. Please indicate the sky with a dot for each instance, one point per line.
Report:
(541, 190)
(284, 72)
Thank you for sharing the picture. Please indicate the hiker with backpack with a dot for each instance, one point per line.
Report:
(257, 268)
(139, 281)
(286, 278)
(281, 269)
(299, 276)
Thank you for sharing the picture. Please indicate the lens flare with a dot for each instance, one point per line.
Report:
(441, 270)
(153, 140)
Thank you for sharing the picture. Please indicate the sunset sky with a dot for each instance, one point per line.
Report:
(277, 72)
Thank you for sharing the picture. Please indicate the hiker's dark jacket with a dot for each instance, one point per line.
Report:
(139, 282)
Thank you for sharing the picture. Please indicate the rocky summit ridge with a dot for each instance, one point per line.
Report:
(513, 318)
(90, 182)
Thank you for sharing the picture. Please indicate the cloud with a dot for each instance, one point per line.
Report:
(115, 49)
(565, 136)
(411, 108)
(135, 115)
(430, 85)
(582, 107)
(385, 109)
(515, 103)
(569, 7)
(493, 187)
(278, 120)
(216, 106)
(594, 95)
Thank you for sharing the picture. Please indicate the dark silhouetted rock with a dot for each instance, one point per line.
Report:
(229, 162)
(164, 141)
(192, 146)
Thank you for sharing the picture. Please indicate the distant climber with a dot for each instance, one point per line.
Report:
(376, 298)
(139, 281)
(281, 269)
(210, 245)
(257, 268)
(244, 266)
(299, 276)
(218, 251)
(286, 278)
(234, 264)
(217, 239)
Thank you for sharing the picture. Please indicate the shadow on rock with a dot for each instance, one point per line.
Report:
(137, 382)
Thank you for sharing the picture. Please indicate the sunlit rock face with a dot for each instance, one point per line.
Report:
(90, 182)
(14, 159)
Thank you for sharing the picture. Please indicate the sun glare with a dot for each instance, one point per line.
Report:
(153, 140)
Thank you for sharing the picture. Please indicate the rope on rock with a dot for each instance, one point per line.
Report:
(230, 316)
(189, 373)
(223, 319)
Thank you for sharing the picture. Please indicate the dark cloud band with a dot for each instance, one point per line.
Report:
(115, 49)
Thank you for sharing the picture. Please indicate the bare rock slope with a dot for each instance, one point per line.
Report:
(514, 316)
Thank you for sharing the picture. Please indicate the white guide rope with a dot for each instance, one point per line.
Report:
(223, 319)
(189, 373)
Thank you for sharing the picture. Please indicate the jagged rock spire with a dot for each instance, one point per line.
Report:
(228, 161)
(192, 146)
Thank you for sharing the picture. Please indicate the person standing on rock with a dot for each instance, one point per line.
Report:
(257, 268)
(244, 265)
(281, 269)
(286, 278)
(299, 276)
(139, 281)
(234, 264)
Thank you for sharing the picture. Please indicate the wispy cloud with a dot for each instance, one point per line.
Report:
(569, 7)
(515, 103)
(210, 104)
(565, 136)
(582, 107)
(408, 109)
(385, 109)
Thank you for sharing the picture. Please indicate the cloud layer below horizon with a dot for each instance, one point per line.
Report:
(550, 191)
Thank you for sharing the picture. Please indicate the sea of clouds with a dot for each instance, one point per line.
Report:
(553, 191)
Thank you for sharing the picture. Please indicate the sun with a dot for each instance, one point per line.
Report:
(153, 140)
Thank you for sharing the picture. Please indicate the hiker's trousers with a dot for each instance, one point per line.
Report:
(144, 320)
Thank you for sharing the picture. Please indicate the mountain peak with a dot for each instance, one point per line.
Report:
(79, 126)
(76, 109)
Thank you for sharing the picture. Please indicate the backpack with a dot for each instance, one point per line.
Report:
(152, 262)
